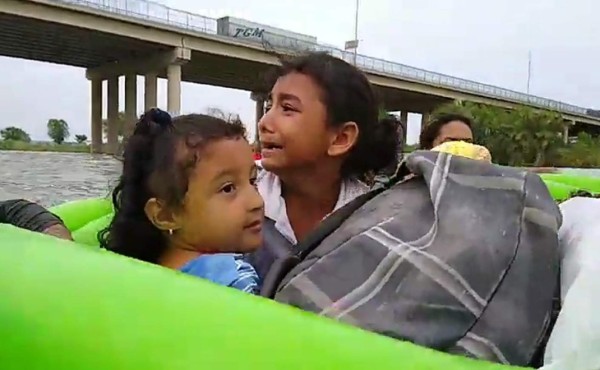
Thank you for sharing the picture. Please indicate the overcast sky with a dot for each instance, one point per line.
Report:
(486, 41)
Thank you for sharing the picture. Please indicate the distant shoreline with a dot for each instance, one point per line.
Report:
(20, 146)
(9, 145)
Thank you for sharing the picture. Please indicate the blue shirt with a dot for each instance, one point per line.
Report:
(224, 269)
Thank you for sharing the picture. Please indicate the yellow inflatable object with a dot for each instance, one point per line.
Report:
(465, 149)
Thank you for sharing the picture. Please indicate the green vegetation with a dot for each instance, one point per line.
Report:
(409, 148)
(80, 139)
(527, 136)
(15, 138)
(585, 153)
(120, 125)
(14, 133)
(58, 130)
(43, 146)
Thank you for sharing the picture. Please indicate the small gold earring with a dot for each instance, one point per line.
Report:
(170, 231)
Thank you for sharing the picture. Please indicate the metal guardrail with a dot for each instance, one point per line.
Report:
(161, 14)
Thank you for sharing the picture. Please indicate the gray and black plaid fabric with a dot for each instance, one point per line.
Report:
(463, 258)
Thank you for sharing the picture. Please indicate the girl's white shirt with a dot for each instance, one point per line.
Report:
(269, 187)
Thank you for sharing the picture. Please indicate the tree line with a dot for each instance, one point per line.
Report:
(58, 132)
(520, 137)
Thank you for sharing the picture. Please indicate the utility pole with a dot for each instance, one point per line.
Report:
(356, 32)
(529, 72)
(353, 44)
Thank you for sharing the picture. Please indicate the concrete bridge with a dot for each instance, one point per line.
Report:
(112, 38)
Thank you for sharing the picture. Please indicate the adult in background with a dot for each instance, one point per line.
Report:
(445, 128)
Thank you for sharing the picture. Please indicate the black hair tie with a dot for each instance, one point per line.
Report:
(153, 122)
(160, 117)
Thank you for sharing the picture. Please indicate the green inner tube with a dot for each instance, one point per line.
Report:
(589, 183)
(85, 218)
(67, 307)
(78, 213)
(562, 186)
(560, 191)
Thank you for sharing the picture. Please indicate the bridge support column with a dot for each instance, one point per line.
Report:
(424, 119)
(151, 66)
(150, 91)
(404, 123)
(130, 104)
(174, 89)
(259, 110)
(96, 116)
(112, 132)
(566, 133)
(566, 128)
(176, 58)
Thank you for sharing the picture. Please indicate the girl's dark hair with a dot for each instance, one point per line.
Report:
(349, 97)
(431, 131)
(158, 160)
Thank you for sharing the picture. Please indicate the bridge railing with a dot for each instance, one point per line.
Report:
(161, 14)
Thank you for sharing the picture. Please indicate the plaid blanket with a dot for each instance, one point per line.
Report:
(462, 256)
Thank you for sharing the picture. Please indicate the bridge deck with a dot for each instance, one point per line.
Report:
(83, 46)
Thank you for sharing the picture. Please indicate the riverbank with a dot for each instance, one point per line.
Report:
(44, 147)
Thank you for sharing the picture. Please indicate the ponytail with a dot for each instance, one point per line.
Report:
(130, 232)
(377, 149)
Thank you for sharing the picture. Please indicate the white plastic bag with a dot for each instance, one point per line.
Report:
(575, 340)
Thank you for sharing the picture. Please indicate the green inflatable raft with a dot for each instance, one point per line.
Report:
(562, 186)
(68, 307)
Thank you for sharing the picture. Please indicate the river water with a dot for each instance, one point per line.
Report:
(53, 178)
